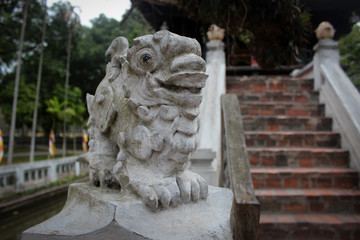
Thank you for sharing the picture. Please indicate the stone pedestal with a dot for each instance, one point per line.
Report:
(102, 213)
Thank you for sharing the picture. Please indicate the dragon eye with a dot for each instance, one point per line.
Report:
(146, 58)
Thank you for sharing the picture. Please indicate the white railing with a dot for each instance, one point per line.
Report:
(337, 92)
(27, 176)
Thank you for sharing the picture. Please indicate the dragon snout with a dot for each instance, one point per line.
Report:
(188, 63)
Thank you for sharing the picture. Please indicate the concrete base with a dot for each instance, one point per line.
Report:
(100, 213)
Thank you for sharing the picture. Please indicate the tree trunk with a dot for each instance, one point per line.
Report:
(66, 89)
(74, 139)
(33, 134)
(16, 87)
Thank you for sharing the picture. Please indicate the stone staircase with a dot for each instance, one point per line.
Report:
(299, 170)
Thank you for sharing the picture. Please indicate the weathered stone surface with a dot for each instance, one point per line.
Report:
(103, 213)
(144, 119)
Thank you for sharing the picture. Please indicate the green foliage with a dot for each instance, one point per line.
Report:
(74, 110)
(25, 105)
(11, 15)
(349, 47)
(274, 31)
(87, 65)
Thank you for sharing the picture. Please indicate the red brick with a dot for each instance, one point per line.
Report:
(357, 207)
(254, 112)
(301, 234)
(279, 111)
(258, 183)
(305, 183)
(309, 142)
(324, 234)
(298, 113)
(317, 206)
(294, 207)
(260, 87)
(291, 183)
(283, 143)
(271, 143)
(296, 143)
(272, 128)
(254, 160)
(305, 162)
(266, 99)
(344, 183)
(301, 99)
(324, 183)
(345, 235)
(276, 86)
(273, 183)
(280, 98)
(249, 142)
(267, 112)
(267, 161)
(276, 233)
(338, 162)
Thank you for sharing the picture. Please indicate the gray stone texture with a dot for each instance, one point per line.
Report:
(102, 213)
(144, 119)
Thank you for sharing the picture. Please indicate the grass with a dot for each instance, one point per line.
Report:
(25, 159)
(22, 154)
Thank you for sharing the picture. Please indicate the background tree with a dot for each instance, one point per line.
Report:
(72, 19)
(16, 86)
(38, 84)
(87, 60)
(275, 30)
(349, 47)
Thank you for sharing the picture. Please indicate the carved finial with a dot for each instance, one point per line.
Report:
(164, 26)
(325, 31)
(215, 33)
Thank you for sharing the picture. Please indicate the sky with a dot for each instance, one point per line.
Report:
(92, 8)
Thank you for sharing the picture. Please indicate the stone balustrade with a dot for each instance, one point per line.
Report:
(337, 92)
(27, 176)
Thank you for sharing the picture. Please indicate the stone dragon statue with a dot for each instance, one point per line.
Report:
(144, 120)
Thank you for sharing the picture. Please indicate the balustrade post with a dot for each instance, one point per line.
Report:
(52, 171)
(325, 50)
(77, 169)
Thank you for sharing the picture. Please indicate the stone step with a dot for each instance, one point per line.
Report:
(292, 139)
(309, 226)
(298, 157)
(298, 178)
(286, 123)
(268, 83)
(281, 108)
(309, 200)
(277, 96)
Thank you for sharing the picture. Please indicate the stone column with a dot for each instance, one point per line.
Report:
(210, 122)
